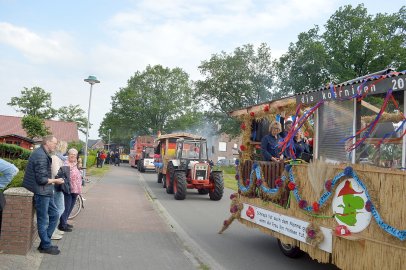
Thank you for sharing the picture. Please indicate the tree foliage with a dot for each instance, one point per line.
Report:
(34, 126)
(73, 113)
(236, 80)
(154, 99)
(304, 67)
(35, 102)
(354, 44)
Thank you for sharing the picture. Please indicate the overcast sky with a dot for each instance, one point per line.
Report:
(55, 45)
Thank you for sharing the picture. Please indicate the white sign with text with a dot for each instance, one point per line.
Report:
(285, 225)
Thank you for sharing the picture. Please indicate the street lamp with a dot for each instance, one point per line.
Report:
(92, 80)
(108, 146)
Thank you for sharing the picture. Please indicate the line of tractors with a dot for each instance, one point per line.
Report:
(181, 163)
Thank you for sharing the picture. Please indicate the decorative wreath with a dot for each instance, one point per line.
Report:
(314, 236)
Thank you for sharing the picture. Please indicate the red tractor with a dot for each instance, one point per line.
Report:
(190, 169)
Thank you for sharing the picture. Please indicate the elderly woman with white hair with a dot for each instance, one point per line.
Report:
(75, 188)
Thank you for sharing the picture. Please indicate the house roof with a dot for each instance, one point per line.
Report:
(92, 142)
(19, 137)
(66, 131)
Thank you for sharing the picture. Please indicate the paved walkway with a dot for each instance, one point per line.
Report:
(118, 229)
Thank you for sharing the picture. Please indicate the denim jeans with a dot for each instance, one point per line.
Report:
(47, 218)
(59, 202)
(70, 200)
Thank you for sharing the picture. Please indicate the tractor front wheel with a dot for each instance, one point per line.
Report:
(217, 193)
(180, 185)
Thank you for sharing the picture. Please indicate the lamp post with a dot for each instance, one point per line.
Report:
(108, 146)
(91, 80)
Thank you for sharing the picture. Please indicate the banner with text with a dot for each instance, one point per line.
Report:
(285, 225)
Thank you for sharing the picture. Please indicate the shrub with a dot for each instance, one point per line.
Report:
(17, 180)
(13, 151)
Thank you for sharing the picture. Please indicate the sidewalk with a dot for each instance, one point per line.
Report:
(118, 229)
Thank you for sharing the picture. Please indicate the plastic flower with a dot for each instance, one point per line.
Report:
(252, 114)
(291, 186)
(247, 182)
(328, 185)
(259, 182)
(302, 204)
(368, 206)
(316, 207)
(242, 147)
(233, 209)
(278, 182)
(348, 171)
(232, 196)
(243, 126)
(225, 223)
(237, 177)
(311, 234)
(266, 108)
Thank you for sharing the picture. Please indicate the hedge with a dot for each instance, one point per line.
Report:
(13, 151)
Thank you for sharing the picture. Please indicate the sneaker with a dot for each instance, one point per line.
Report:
(69, 226)
(54, 247)
(56, 236)
(51, 250)
(65, 229)
(59, 232)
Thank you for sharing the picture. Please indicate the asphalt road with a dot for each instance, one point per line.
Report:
(239, 247)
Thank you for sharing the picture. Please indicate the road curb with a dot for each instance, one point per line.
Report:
(190, 245)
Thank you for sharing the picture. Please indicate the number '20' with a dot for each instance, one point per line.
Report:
(398, 84)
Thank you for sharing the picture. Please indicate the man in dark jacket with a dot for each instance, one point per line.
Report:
(37, 179)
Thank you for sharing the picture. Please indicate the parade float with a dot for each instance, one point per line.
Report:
(348, 205)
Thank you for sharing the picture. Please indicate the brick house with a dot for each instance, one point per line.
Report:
(223, 148)
(11, 131)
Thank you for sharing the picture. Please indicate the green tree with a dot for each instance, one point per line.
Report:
(73, 113)
(153, 100)
(354, 44)
(359, 43)
(236, 80)
(34, 126)
(304, 66)
(35, 101)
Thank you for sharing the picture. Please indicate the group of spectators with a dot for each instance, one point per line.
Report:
(56, 181)
(109, 158)
(270, 144)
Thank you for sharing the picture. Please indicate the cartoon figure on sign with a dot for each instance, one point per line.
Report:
(250, 212)
(349, 206)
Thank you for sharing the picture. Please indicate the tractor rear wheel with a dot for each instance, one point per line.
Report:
(217, 193)
(170, 172)
(203, 191)
(179, 185)
(160, 176)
